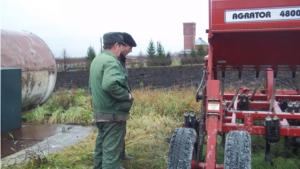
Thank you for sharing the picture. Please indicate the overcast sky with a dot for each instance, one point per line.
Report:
(77, 24)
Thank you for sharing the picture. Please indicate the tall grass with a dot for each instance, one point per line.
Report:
(64, 106)
(155, 114)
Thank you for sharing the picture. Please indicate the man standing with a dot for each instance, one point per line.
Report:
(111, 100)
(127, 48)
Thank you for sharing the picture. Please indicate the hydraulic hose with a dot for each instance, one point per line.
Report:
(203, 76)
(222, 92)
(255, 88)
(293, 87)
(235, 95)
(273, 96)
(288, 83)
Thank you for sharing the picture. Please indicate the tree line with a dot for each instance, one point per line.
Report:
(155, 56)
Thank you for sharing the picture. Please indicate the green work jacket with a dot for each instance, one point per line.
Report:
(108, 84)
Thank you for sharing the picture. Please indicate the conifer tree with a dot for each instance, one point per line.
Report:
(184, 53)
(90, 53)
(168, 60)
(151, 50)
(168, 55)
(193, 53)
(201, 51)
(160, 51)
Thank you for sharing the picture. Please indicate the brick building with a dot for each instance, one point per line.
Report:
(189, 33)
(201, 42)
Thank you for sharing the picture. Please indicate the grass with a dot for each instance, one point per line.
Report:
(176, 63)
(154, 116)
(64, 106)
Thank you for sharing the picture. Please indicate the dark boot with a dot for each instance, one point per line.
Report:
(125, 156)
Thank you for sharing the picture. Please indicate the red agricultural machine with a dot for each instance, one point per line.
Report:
(259, 37)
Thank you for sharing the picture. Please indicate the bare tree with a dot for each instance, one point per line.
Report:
(65, 56)
(141, 59)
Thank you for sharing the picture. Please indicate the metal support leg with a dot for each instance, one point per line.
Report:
(268, 154)
(212, 121)
(286, 142)
(223, 140)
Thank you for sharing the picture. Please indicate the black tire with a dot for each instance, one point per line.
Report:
(181, 148)
(237, 150)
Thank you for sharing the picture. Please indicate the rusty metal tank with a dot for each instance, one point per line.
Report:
(25, 50)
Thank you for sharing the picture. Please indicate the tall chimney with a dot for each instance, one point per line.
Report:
(189, 33)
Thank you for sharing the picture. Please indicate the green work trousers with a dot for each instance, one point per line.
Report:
(109, 145)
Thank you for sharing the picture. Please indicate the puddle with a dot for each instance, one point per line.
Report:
(43, 139)
(25, 137)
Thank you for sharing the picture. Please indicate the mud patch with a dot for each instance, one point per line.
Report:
(41, 140)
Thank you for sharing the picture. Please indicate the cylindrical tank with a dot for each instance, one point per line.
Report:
(25, 50)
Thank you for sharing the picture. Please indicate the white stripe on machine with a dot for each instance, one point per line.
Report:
(263, 14)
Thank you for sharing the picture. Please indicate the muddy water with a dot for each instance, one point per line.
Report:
(20, 145)
(27, 136)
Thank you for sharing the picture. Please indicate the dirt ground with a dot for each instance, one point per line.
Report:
(164, 77)
(156, 77)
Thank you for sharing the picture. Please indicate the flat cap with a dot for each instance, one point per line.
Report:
(128, 39)
(111, 38)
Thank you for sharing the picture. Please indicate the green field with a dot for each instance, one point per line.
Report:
(154, 116)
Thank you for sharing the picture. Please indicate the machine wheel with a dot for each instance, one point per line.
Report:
(181, 148)
(238, 150)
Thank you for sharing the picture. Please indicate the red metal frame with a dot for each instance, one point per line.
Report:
(218, 7)
(248, 46)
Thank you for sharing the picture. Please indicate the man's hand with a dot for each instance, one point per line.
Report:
(131, 96)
